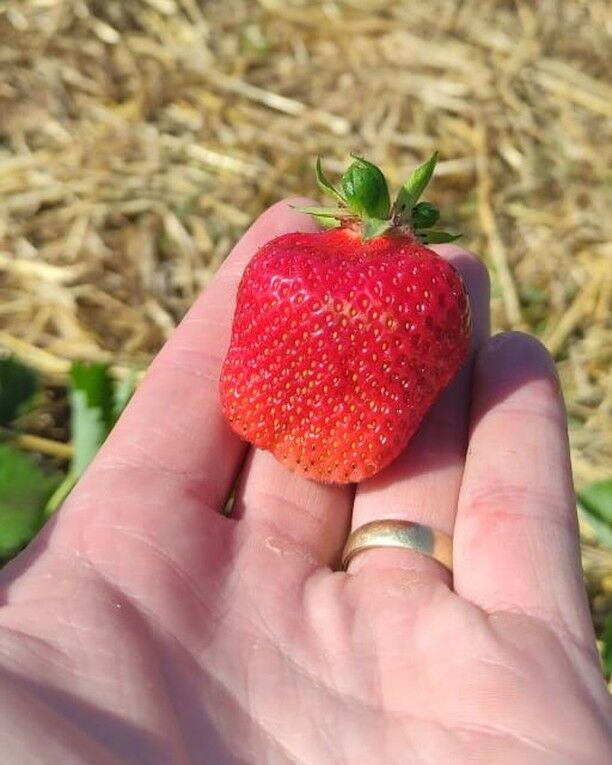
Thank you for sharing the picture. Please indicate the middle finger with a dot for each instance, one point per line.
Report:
(422, 484)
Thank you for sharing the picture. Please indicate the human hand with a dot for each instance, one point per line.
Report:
(143, 626)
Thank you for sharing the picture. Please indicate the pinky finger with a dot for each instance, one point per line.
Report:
(516, 535)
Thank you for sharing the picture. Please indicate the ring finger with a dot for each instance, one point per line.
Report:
(422, 484)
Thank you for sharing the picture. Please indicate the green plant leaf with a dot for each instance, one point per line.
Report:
(96, 404)
(24, 489)
(601, 529)
(328, 217)
(437, 237)
(324, 212)
(18, 383)
(60, 494)
(597, 497)
(326, 222)
(366, 190)
(595, 508)
(88, 431)
(606, 647)
(424, 215)
(415, 185)
(325, 185)
(94, 380)
(123, 393)
(92, 415)
(373, 227)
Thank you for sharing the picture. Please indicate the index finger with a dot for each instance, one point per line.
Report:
(174, 426)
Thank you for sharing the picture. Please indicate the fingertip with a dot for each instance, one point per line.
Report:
(508, 354)
(470, 266)
(477, 282)
(514, 369)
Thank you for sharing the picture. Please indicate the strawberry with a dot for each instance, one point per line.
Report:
(342, 339)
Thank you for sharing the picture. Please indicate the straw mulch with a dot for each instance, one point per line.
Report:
(138, 138)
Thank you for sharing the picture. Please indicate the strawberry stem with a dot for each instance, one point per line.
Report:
(366, 200)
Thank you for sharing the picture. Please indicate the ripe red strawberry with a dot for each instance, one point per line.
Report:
(342, 339)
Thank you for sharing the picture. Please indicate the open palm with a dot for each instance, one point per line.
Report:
(143, 626)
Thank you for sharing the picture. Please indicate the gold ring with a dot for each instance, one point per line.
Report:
(404, 534)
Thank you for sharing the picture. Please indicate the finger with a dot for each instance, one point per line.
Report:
(516, 536)
(310, 518)
(172, 438)
(422, 485)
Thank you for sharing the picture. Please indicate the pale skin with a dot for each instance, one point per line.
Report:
(142, 626)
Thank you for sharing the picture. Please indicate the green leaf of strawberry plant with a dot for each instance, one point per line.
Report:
(600, 529)
(366, 190)
(88, 431)
(328, 217)
(595, 508)
(606, 646)
(437, 237)
(597, 497)
(92, 415)
(24, 489)
(374, 227)
(325, 185)
(324, 212)
(18, 383)
(60, 494)
(424, 215)
(94, 382)
(327, 222)
(96, 404)
(415, 185)
(123, 393)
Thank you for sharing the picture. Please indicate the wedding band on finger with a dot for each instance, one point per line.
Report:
(400, 534)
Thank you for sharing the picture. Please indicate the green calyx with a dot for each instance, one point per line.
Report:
(365, 189)
(364, 201)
